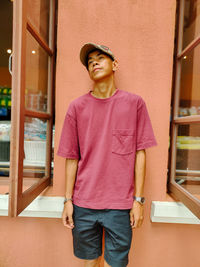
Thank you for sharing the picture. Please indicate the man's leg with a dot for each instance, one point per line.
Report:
(93, 263)
(118, 237)
(87, 236)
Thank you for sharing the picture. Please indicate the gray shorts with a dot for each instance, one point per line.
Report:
(88, 231)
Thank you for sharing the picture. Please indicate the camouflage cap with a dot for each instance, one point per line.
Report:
(88, 47)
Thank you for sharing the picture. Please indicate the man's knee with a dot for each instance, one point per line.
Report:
(93, 263)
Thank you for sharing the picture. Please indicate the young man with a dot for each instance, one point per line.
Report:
(104, 137)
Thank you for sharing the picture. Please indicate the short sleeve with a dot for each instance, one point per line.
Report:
(68, 144)
(145, 134)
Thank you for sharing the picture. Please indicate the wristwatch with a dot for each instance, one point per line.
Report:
(66, 199)
(141, 200)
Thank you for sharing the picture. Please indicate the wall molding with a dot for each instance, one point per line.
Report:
(52, 207)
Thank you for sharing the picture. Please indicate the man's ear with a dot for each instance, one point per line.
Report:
(115, 65)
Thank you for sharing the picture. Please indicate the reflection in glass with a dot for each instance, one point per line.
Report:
(34, 151)
(188, 158)
(6, 27)
(52, 162)
(191, 21)
(38, 15)
(190, 84)
(36, 75)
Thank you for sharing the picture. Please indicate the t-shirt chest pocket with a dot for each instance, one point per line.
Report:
(123, 141)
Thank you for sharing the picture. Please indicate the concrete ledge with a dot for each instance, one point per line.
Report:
(4, 205)
(172, 212)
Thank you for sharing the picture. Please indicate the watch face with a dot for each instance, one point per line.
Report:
(140, 199)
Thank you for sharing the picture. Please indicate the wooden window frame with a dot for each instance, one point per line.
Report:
(173, 188)
(19, 200)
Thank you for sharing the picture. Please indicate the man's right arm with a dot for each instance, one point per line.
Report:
(71, 166)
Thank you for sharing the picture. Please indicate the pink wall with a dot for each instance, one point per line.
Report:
(141, 35)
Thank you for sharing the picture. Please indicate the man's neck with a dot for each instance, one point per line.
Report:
(104, 89)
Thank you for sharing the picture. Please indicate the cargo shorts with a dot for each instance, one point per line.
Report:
(88, 231)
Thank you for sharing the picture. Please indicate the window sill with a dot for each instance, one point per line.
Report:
(172, 212)
(51, 207)
(43, 207)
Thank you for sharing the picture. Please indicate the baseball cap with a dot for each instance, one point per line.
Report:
(88, 47)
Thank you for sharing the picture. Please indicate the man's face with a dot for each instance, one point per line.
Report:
(100, 65)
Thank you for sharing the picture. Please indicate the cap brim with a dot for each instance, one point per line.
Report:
(85, 50)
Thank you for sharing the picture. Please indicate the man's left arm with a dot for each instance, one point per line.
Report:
(137, 211)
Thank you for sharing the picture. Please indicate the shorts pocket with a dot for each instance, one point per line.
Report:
(123, 141)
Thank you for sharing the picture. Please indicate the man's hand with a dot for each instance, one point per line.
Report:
(136, 214)
(67, 215)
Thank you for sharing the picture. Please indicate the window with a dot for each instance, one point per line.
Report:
(184, 163)
(30, 113)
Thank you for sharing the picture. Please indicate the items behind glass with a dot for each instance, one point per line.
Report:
(5, 103)
(189, 111)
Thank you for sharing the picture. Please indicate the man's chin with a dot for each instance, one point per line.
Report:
(98, 78)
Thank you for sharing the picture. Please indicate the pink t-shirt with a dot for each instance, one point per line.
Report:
(104, 134)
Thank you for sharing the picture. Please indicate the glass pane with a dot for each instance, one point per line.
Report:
(36, 75)
(188, 158)
(190, 84)
(191, 21)
(38, 15)
(6, 25)
(34, 151)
